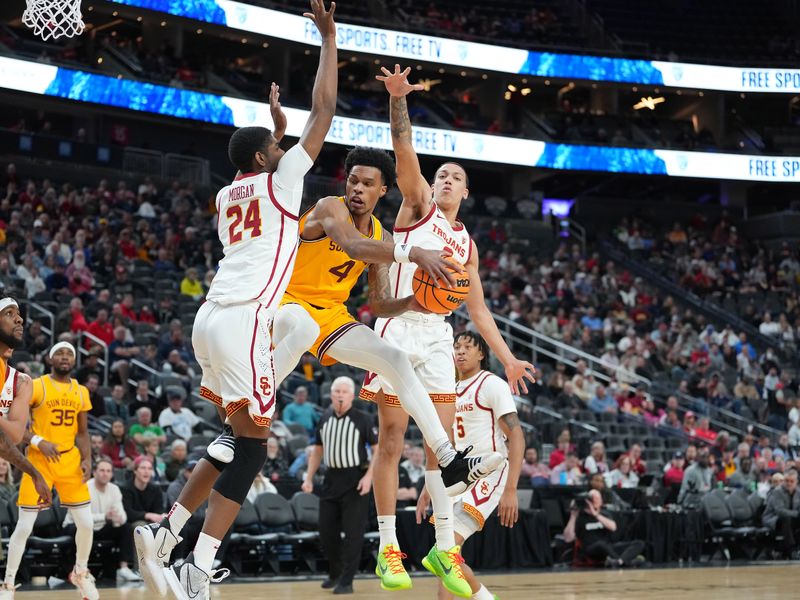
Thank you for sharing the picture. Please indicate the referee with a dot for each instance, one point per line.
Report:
(342, 436)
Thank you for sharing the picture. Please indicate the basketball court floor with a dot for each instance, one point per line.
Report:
(773, 582)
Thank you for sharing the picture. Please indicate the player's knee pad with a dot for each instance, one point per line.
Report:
(25, 522)
(217, 464)
(248, 458)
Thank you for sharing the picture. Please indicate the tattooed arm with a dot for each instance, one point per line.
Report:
(13, 455)
(416, 191)
(509, 505)
(380, 298)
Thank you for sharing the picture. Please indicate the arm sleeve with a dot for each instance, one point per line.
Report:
(292, 167)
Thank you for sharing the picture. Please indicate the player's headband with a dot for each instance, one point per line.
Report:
(61, 346)
(6, 302)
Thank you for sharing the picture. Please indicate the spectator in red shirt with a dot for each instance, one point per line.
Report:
(126, 308)
(558, 455)
(126, 244)
(637, 464)
(689, 423)
(78, 320)
(81, 281)
(119, 447)
(703, 430)
(101, 328)
(674, 474)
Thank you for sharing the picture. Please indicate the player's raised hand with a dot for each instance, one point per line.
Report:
(279, 121)
(397, 83)
(41, 487)
(50, 451)
(436, 264)
(517, 371)
(322, 18)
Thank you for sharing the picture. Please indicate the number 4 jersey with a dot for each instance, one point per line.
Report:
(54, 410)
(257, 225)
(323, 278)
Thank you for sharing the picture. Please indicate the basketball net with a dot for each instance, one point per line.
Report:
(52, 19)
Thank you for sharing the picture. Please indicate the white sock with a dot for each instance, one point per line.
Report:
(84, 534)
(445, 453)
(16, 545)
(483, 594)
(442, 510)
(386, 527)
(205, 552)
(178, 517)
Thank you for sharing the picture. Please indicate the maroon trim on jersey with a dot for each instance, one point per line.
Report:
(14, 385)
(399, 272)
(479, 501)
(459, 226)
(275, 263)
(256, 395)
(272, 198)
(478, 404)
(473, 382)
(329, 341)
(469, 252)
(9, 368)
(419, 223)
(283, 275)
(385, 325)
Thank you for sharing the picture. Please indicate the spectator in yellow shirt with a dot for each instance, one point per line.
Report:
(191, 285)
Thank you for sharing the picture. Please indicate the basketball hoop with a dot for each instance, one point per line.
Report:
(52, 19)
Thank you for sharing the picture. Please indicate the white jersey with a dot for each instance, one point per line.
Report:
(480, 402)
(257, 225)
(432, 232)
(8, 390)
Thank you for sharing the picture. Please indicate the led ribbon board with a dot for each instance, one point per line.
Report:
(413, 47)
(59, 82)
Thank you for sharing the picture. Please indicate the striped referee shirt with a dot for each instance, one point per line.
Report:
(344, 439)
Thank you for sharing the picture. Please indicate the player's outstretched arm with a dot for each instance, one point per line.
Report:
(509, 504)
(380, 298)
(334, 217)
(517, 371)
(323, 96)
(416, 191)
(279, 121)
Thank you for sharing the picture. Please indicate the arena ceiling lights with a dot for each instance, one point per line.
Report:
(408, 47)
(59, 82)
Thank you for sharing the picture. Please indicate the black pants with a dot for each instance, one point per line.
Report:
(347, 513)
(122, 537)
(789, 529)
(627, 551)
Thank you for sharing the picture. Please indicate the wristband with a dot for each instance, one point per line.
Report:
(402, 253)
(35, 440)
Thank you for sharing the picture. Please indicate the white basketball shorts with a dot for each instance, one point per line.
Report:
(232, 344)
(428, 340)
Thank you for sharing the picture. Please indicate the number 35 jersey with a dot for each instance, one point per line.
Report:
(54, 410)
(257, 226)
(324, 275)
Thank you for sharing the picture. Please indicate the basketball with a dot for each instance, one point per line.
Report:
(440, 300)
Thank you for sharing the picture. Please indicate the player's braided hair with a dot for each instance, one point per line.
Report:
(478, 340)
(372, 157)
(243, 145)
